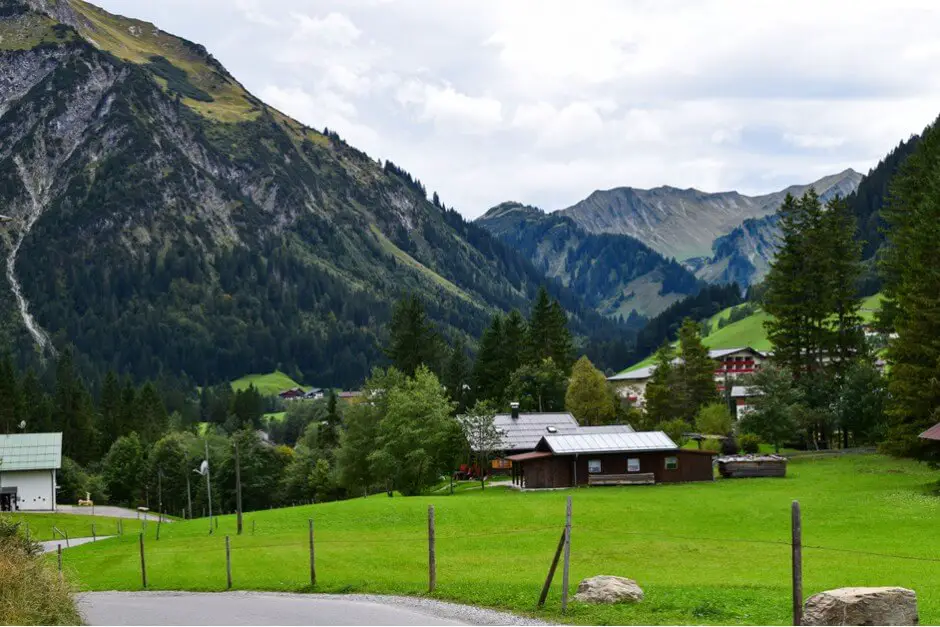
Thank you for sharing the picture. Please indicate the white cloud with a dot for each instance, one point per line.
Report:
(487, 100)
(451, 109)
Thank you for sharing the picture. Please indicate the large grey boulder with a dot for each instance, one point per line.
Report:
(608, 589)
(862, 606)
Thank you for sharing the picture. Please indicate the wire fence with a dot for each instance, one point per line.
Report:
(152, 548)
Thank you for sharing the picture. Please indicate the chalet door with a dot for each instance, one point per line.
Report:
(6, 502)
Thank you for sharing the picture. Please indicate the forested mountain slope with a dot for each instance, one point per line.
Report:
(683, 223)
(166, 221)
(616, 274)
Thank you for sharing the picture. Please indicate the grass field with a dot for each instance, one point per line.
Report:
(704, 553)
(77, 526)
(268, 384)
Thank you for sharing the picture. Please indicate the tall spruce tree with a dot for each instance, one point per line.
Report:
(74, 412)
(413, 341)
(695, 373)
(514, 341)
(912, 285)
(539, 330)
(662, 403)
(489, 376)
(456, 377)
(109, 411)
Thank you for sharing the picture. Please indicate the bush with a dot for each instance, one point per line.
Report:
(729, 446)
(750, 443)
(31, 591)
(676, 430)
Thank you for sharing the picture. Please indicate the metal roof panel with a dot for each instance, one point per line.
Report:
(30, 451)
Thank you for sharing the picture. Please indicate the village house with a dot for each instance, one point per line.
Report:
(594, 459)
(28, 465)
(730, 363)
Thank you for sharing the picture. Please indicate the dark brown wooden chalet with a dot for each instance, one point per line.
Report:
(564, 461)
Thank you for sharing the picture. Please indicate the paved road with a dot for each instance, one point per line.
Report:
(258, 608)
(53, 545)
(106, 510)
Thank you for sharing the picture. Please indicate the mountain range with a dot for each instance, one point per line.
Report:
(169, 223)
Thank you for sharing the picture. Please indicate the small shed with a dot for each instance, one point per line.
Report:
(618, 458)
(28, 464)
(740, 466)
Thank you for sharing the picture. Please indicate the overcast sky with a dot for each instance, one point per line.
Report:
(543, 102)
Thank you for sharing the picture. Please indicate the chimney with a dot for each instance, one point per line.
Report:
(514, 409)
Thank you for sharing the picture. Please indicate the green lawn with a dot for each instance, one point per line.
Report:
(268, 384)
(77, 526)
(704, 553)
(747, 332)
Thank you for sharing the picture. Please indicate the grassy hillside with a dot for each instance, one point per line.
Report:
(704, 553)
(75, 525)
(268, 384)
(750, 330)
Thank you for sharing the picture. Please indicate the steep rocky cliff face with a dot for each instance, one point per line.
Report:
(617, 275)
(684, 223)
(165, 220)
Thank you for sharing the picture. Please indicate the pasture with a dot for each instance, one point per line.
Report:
(704, 553)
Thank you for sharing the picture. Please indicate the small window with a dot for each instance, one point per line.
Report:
(633, 464)
(594, 466)
(672, 463)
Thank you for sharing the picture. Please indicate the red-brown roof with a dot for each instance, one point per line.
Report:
(521, 457)
(933, 433)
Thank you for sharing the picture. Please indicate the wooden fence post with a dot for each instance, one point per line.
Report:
(143, 561)
(564, 572)
(60, 558)
(252, 526)
(551, 571)
(94, 536)
(432, 551)
(159, 520)
(313, 567)
(67, 539)
(797, 545)
(228, 562)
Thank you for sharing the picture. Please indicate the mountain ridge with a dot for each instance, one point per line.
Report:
(684, 223)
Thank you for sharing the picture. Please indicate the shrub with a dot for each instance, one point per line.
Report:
(750, 443)
(676, 430)
(729, 446)
(31, 591)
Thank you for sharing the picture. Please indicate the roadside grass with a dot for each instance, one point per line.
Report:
(76, 525)
(704, 553)
(269, 384)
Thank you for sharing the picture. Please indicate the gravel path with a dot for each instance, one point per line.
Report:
(53, 545)
(110, 511)
(269, 608)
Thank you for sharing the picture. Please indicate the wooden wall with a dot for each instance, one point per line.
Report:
(558, 471)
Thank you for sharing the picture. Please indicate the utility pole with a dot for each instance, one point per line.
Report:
(238, 487)
(189, 499)
(208, 487)
(160, 492)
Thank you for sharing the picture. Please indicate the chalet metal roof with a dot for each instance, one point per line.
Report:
(634, 375)
(607, 442)
(606, 429)
(30, 451)
(744, 391)
(521, 457)
(933, 433)
(525, 431)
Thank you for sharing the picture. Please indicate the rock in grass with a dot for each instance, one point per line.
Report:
(608, 589)
(862, 606)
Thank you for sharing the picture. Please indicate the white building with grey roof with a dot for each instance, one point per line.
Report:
(28, 465)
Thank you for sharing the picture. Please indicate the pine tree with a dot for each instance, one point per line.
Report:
(153, 420)
(9, 393)
(846, 341)
(489, 374)
(413, 341)
(109, 411)
(457, 374)
(661, 399)
(561, 346)
(74, 412)
(695, 373)
(513, 342)
(539, 330)
(912, 285)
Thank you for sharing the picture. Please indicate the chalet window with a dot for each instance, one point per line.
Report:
(594, 466)
(633, 464)
(672, 463)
